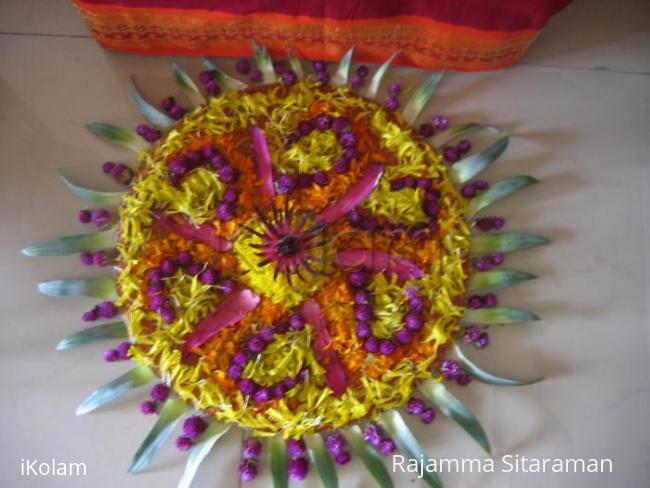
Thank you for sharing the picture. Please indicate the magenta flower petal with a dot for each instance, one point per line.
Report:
(203, 233)
(356, 194)
(379, 261)
(263, 161)
(327, 357)
(229, 312)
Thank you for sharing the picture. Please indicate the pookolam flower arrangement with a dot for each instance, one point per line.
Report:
(294, 259)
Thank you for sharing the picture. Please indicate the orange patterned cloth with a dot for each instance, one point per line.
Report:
(434, 34)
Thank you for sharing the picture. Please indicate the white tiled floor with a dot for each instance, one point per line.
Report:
(578, 107)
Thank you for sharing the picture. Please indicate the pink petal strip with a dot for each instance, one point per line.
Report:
(327, 357)
(229, 312)
(263, 161)
(379, 261)
(356, 194)
(203, 233)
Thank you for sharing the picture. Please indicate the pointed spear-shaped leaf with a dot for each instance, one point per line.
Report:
(340, 78)
(94, 196)
(63, 246)
(497, 191)
(498, 315)
(467, 168)
(421, 97)
(409, 445)
(506, 242)
(368, 456)
(453, 408)
(138, 376)
(119, 135)
(373, 87)
(499, 279)
(200, 450)
(279, 473)
(484, 376)
(151, 113)
(103, 287)
(111, 330)
(187, 85)
(170, 415)
(264, 63)
(458, 130)
(222, 78)
(322, 461)
(295, 65)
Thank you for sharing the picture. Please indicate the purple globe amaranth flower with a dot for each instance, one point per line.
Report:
(347, 139)
(472, 333)
(305, 128)
(100, 258)
(303, 180)
(339, 124)
(209, 151)
(227, 286)
(475, 302)
(251, 448)
(91, 315)
(289, 382)
(209, 276)
(498, 223)
(262, 395)
(468, 190)
(484, 263)
(415, 406)
(371, 345)
(354, 216)
(183, 443)
(451, 154)
(373, 434)
(324, 77)
(168, 267)
(184, 258)
(387, 447)
(205, 77)
(321, 178)
(255, 75)
(148, 407)
(230, 196)
(279, 67)
(194, 426)
(168, 103)
(156, 302)
(167, 313)
(490, 300)
(247, 386)
(218, 162)
(361, 297)
(391, 103)
(289, 77)
(278, 391)
(240, 358)
(323, 122)
(357, 278)
(160, 392)
(85, 216)
(224, 212)
(256, 344)
(497, 258)
(111, 355)
(107, 309)
(234, 371)
(123, 350)
(483, 341)
(247, 470)
(426, 130)
(413, 321)
(101, 217)
(397, 184)
(227, 174)
(410, 181)
(177, 112)
(296, 447)
(243, 66)
(450, 369)
(284, 184)
(364, 331)
(387, 347)
(404, 336)
(296, 321)
(357, 81)
(463, 379)
(194, 269)
(363, 313)
(394, 89)
(485, 224)
(481, 185)
(107, 167)
(266, 334)
(362, 71)
(428, 415)
(342, 457)
(298, 468)
(464, 145)
(424, 183)
(319, 66)
(335, 443)
(86, 258)
(440, 122)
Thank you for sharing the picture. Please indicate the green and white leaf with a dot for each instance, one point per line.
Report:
(442, 138)
(138, 376)
(202, 447)
(467, 168)
(323, 462)
(506, 242)
(119, 135)
(264, 63)
(225, 80)
(170, 416)
(499, 278)
(187, 85)
(484, 376)
(279, 468)
(342, 73)
(421, 97)
(373, 87)
(408, 444)
(498, 316)
(94, 196)
(63, 246)
(497, 191)
(294, 64)
(111, 330)
(151, 113)
(368, 456)
(453, 408)
(103, 287)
